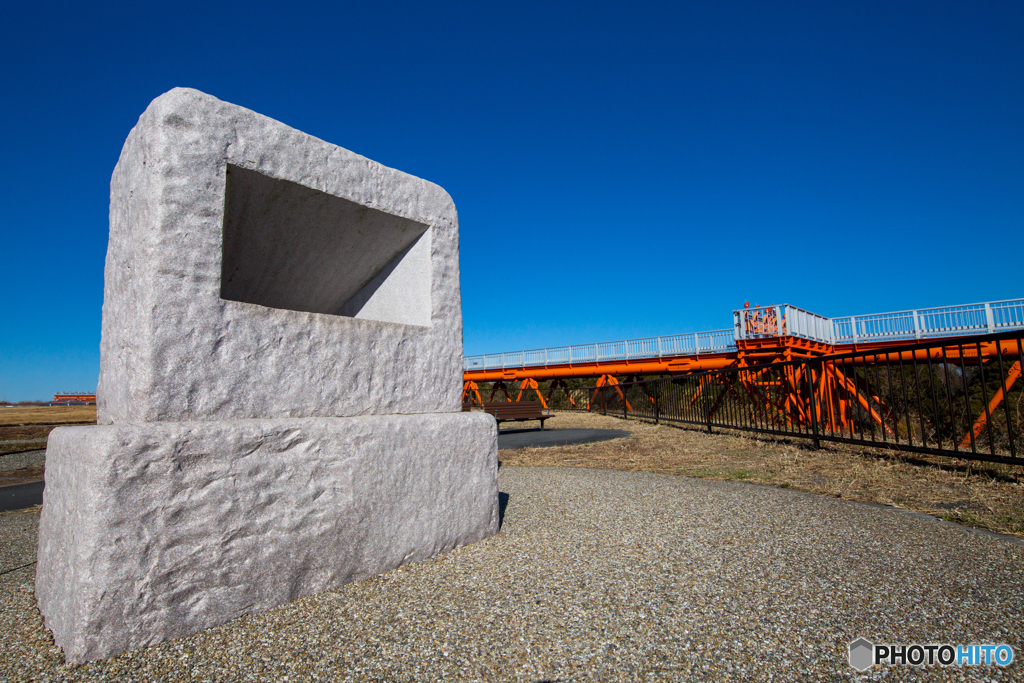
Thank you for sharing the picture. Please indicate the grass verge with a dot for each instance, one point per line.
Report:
(8, 448)
(51, 415)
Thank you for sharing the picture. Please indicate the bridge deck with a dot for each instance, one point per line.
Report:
(757, 334)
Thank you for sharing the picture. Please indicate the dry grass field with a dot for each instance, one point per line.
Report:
(984, 495)
(47, 415)
(24, 428)
(7, 447)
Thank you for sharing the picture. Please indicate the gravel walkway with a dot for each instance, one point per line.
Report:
(604, 575)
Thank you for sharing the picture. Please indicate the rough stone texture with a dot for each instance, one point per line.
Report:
(154, 531)
(280, 370)
(340, 294)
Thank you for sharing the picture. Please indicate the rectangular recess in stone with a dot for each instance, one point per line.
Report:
(293, 247)
(176, 346)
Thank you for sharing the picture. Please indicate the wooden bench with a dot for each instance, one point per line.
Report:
(516, 411)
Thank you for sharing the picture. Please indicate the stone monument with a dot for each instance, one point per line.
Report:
(279, 397)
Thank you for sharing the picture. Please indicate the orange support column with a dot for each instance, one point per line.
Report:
(471, 389)
(531, 384)
(560, 384)
(853, 392)
(502, 387)
(608, 380)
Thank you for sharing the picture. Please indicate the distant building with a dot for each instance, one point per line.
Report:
(72, 398)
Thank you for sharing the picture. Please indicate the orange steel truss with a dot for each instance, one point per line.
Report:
(749, 352)
(608, 381)
(783, 394)
(979, 425)
(531, 384)
(471, 390)
(557, 384)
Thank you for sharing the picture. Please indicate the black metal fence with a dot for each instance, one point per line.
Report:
(961, 399)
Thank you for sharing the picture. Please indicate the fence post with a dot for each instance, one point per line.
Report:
(989, 320)
(809, 371)
(917, 327)
(625, 415)
(707, 409)
(657, 413)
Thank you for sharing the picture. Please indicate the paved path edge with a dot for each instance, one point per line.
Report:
(890, 508)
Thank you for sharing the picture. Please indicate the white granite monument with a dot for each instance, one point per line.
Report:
(279, 396)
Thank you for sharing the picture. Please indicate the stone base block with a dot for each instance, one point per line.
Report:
(155, 531)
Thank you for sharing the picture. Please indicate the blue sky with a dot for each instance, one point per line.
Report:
(620, 170)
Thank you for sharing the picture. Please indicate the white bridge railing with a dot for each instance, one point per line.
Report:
(694, 343)
(767, 321)
(924, 323)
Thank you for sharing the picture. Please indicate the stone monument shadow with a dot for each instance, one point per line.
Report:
(502, 504)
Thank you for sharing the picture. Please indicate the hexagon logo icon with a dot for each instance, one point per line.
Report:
(861, 651)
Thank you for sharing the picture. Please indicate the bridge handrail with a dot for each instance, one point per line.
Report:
(691, 343)
(765, 321)
(923, 323)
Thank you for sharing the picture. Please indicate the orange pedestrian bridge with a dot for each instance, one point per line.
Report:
(758, 335)
(930, 380)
